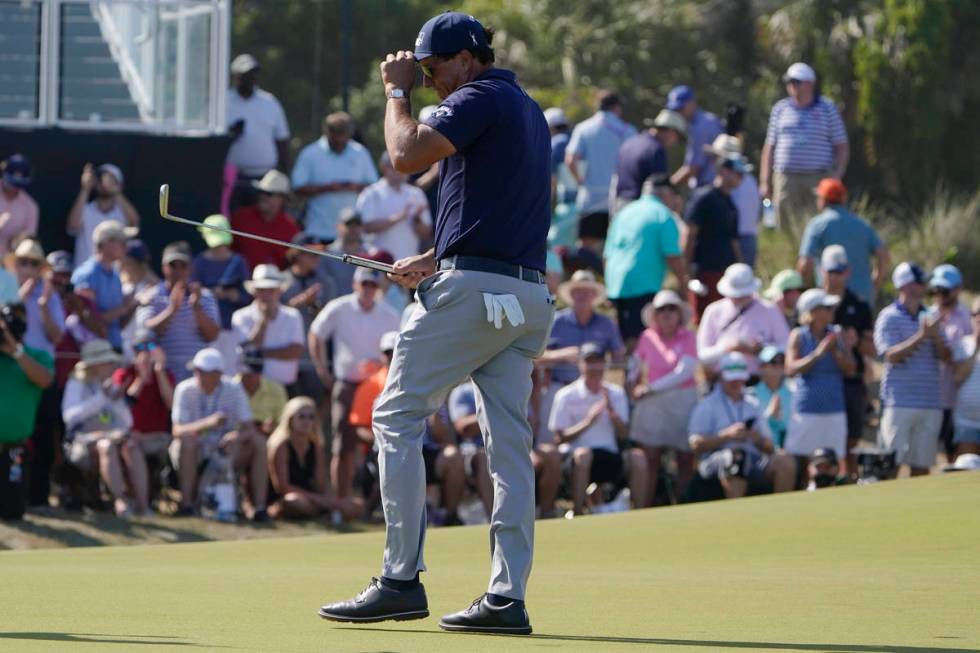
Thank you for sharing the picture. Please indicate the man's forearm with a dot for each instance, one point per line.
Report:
(904, 349)
(205, 325)
(842, 154)
(288, 352)
(401, 130)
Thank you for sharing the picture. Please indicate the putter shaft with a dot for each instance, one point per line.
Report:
(344, 258)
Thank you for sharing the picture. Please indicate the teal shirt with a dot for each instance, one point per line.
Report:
(835, 225)
(777, 423)
(640, 239)
(20, 396)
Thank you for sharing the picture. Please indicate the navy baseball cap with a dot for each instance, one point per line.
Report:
(449, 33)
(679, 96)
(17, 171)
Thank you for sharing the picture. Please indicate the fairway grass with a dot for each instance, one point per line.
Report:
(890, 567)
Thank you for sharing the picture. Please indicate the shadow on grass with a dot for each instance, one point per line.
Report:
(65, 531)
(99, 638)
(715, 644)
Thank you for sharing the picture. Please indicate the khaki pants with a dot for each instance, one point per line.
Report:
(792, 196)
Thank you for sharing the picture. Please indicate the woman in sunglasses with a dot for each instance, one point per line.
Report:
(298, 467)
(149, 389)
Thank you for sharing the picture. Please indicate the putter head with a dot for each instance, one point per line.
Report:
(165, 201)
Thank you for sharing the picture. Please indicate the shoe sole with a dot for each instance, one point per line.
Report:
(493, 630)
(395, 616)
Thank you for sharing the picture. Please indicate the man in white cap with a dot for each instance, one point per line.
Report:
(99, 199)
(645, 154)
(212, 413)
(741, 321)
(910, 340)
(329, 174)
(354, 323)
(258, 124)
(275, 329)
(730, 433)
(805, 142)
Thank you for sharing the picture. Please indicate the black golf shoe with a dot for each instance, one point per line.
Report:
(481, 617)
(377, 602)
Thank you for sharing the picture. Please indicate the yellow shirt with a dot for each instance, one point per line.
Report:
(268, 401)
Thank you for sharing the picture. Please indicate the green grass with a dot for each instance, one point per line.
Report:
(890, 567)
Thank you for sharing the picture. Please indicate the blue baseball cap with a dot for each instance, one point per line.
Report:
(679, 96)
(946, 276)
(449, 33)
(17, 171)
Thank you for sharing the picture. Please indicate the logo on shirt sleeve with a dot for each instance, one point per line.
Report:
(442, 112)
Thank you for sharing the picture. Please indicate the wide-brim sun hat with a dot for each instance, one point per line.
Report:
(661, 299)
(581, 279)
(723, 145)
(214, 237)
(668, 119)
(29, 249)
(813, 299)
(96, 352)
(739, 281)
(273, 182)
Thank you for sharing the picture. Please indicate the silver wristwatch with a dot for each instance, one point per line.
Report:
(396, 93)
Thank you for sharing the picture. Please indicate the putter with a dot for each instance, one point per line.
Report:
(344, 258)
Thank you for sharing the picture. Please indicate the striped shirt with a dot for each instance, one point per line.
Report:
(229, 399)
(181, 338)
(803, 138)
(913, 383)
(967, 413)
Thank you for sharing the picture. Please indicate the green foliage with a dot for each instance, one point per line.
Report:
(902, 71)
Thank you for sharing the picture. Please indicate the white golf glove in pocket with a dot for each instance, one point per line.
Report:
(500, 305)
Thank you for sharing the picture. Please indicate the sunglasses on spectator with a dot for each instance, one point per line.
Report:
(841, 271)
(975, 313)
(28, 262)
(305, 415)
(177, 264)
(145, 346)
(941, 291)
(668, 307)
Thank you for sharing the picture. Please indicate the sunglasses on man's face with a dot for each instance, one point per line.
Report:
(28, 262)
(145, 346)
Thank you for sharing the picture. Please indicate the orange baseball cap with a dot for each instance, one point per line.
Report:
(832, 190)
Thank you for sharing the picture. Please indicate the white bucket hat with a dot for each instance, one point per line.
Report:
(665, 298)
(273, 182)
(96, 352)
(724, 145)
(739, 281)
(265, 275)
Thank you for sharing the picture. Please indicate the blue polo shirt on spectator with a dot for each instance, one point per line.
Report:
(596, 142)
(717, 411)
(702, 130)
(318, 164)
(107, 287)
(462, 403)
(495, 190)
(639, 241)
(913, 383)
(181, 339)
(835, 225)
(567, 331)
(566, 185)
(639, 157)
(803, 138)
(35, 335)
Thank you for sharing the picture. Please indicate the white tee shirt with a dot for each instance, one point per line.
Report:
(92, 217)
(356, 333)
(572, 404)
(286, 329)
(254, 152)
(380, 201)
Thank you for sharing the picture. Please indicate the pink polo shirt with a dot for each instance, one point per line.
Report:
(18, 218)
(720, 329)
(661, 356)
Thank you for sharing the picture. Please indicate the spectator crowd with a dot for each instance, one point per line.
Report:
(241, 381)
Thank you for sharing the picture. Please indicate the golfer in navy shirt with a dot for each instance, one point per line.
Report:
(485, 313)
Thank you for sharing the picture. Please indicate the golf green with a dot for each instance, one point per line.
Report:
(886, 567)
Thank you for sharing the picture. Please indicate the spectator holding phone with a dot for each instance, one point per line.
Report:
(224, 273)
(819, 355)
(148, 387)
(98, 420)
(100, 199)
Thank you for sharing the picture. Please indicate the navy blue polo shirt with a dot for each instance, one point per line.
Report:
(495, 191)
(639, 157)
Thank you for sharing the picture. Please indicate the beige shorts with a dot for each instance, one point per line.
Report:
(912, 433)
(660, 420)
(793, 198)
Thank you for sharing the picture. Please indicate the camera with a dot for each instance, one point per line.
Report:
(875, 465)
(13, 319)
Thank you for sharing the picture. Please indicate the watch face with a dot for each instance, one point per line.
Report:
(397, 93)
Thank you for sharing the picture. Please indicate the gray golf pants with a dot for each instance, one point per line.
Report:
(447, 340)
